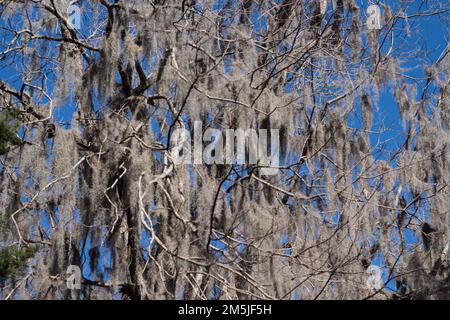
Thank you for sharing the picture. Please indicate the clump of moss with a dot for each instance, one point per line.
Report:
(8, 129)
(13, 260)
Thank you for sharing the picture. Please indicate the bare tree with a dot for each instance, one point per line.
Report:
(101, 87)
